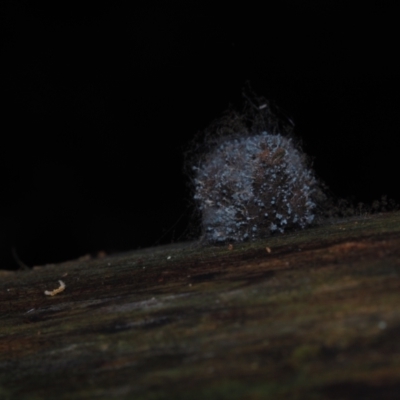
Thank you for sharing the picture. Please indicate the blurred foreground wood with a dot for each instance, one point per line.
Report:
(313, 314)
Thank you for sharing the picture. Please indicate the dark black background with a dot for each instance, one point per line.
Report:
(101, 101)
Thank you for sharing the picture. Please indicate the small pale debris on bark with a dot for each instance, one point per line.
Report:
(56, 291)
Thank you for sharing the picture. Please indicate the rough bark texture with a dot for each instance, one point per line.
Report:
(316, 317)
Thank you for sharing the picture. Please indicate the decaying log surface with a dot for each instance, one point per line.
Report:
(314, 316)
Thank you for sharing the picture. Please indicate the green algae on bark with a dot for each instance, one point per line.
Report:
(316, 318)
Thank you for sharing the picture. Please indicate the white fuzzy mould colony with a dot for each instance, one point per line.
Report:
(253, 186)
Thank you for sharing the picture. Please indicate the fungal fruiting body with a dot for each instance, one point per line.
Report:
(251, 186)
(56, 291)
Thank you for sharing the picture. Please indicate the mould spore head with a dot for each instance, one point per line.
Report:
(250, 180)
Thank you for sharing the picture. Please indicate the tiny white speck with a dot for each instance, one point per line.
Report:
(169, 257)
(382, 325)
